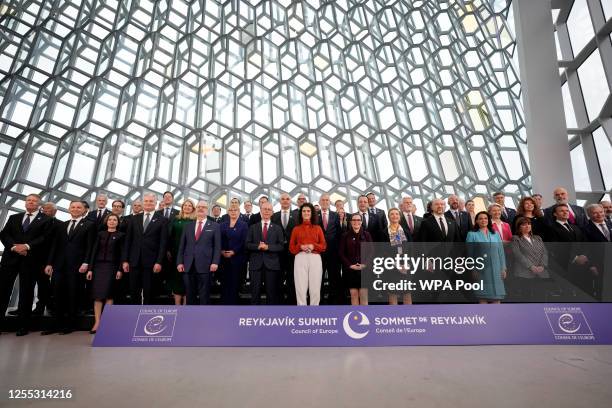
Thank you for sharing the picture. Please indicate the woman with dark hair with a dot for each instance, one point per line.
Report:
(428, 210)
(105, 266)
(353, 260)
(530, 262)
(307, 243)
(470, 208)
(484, 243)
(529, 208)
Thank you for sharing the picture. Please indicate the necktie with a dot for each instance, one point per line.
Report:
(572, 218)
(99, 215)
(26, 223)
(410, 223)
(265, 231)
(364, 220)
(284, 219)
(442, 227)
(146, 221)
(458, 218)
(167, 213)
(325, 220)
(505, 213)
(604, 229)
(199, 230)
(372, 211)
(72, 224)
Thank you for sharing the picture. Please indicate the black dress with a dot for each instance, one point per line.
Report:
(106, 261)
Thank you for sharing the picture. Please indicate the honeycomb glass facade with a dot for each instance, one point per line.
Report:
(215, 99)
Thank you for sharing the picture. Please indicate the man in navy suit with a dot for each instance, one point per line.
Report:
(284, 218)
(508, 214)
(67, 265)
(462, 218)
(167, 209)
(370, 221)
(256, 218)
(265, 242)
(98, 215)
(145, 250)
(330, 222)
(199, 255)
(24, 237)
(598, 229)
(380, 214)
(577, 216)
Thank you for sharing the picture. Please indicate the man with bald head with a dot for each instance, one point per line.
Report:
(577, 215)
(462, 218)
(285, 219)
(439, 227)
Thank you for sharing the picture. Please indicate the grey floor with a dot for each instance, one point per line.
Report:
(489, 376)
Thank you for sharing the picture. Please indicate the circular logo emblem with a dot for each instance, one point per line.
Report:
(355, 319)
(567, 323)
(155, 325)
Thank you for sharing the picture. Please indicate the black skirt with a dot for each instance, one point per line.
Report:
(104, 285)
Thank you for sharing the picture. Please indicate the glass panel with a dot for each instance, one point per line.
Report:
(579, 26)
(594, 84)
(604, 155)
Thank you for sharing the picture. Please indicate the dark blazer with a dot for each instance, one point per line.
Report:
(332, 233)
(93, 216)
(382, 217)
(146, 247)
(276, 243)
(464, 223)
(430, 231)
(173, 213)
(593, 233)
(579, 214)
(416, 224)
(511, 215)
(350, 249)
(558, 233)
(375, 227)
(291, 222)
(36, 237)
(203, 252)
(113, 251)
(69, 252)
(234, 242)
(255, 218)
(218, 220)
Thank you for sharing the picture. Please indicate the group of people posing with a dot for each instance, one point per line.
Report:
(288, 254)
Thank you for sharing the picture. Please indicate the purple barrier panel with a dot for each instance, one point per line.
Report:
(323, 326)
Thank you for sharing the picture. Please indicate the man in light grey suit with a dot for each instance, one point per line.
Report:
(265, 242)
(199, 255)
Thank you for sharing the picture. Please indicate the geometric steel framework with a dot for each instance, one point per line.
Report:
(584, 49)
(216, 99)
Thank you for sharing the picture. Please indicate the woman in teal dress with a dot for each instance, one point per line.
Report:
(175, 281)
(484, 242)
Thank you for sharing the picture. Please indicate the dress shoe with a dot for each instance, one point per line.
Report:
(38, 311)
(93, 331)
(47, 332)
(13, 312)
(21, 332)
(65, 331)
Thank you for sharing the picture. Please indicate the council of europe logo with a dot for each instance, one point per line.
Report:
(355, 319)
(151, 324)
(568, 322)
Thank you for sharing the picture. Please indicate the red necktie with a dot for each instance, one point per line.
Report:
(571, 218)
(410, 224)
(199, 230)
(265, 231)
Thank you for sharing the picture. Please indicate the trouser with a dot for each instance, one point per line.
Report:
(271, 278)
(230, 282)
(66, 287)
(44, 289)
(26, 292)
(307, 273)
(335, 288)
(197, 285)
(287, 283)
(141, 284)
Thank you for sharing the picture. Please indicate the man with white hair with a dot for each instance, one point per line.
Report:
(145, 250)
(410, 222)
(607, 206)
(598, 229)
(100, 212)
(577, 216)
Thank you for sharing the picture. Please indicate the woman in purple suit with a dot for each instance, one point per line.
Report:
(233, 256)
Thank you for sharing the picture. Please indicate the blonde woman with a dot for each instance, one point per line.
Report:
(398, 240)
(175, 280)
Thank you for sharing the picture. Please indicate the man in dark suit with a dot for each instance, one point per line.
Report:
(97, 216)
(330, 222)
(118, 207)
(370, 221)
(167, 210)
(256, 218)
(284, 218)
(299, 202)
(577, 216)
(411, 224)
(145, 250)
(216, 214)
(43, 282)
(462, 218)
(248, 212)
(607, 206)
(265, 242)
(569, 252)
(380, 214)
(67, 265)
(199, 255)
(24, 237)
(508, 214)
(599, 231)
